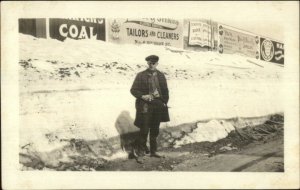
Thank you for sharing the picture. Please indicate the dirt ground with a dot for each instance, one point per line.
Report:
(256, 149)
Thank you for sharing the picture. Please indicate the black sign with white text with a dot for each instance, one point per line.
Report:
(77, 28)
(271, 51)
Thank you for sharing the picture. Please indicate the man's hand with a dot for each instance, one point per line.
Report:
(147, 97)
(156, 93)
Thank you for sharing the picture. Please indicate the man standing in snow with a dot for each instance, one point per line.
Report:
(151, 92)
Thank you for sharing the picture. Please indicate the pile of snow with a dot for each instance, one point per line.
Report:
(80, 88)
(210, 131)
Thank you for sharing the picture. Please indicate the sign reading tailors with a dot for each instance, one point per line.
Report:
(233, 41)
(271, 51)
(77, 28)
(200, 34)
(157, 31)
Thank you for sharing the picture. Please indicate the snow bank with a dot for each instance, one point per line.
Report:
(80, 89)
(211, 132)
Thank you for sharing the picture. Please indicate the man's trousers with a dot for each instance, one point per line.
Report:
(151, 122)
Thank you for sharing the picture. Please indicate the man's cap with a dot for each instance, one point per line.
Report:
(152, 58)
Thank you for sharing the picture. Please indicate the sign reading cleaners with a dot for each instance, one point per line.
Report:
(200, 34)
(271, 51)
(157, 31)
(77, 28)
(233, 41)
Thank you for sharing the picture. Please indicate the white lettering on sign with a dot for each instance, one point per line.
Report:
(92, 36)
(279, 46)
(83, 33)
(76, 33)
(61, 30)
(89, 20)
(73, 31)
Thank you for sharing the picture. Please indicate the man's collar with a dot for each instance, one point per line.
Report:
(151, 71)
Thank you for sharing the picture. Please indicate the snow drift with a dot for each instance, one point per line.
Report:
(79, 89)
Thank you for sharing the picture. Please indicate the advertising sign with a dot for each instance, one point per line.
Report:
(157, 31)
(35, 27)
(200, 34)
(77, 28)
(271, 51)
(233, 41)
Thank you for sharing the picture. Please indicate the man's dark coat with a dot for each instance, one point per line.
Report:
(140, 87)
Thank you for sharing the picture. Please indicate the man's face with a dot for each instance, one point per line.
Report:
(152, 65)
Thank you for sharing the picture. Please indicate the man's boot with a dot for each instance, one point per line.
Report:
(139, 160)
(153, 148)
(147, 151)
(140, 155)
(155, 155)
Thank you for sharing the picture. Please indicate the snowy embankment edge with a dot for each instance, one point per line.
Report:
(210, 130)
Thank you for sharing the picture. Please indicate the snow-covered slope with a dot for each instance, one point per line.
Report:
(80, 89)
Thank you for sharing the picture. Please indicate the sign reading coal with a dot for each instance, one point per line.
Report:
(77, 28)
(199, 34)
(233, 41)
(157, 31)
(271, 51)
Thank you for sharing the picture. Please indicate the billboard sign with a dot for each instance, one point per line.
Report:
(157, 31)
(234, 41)
(271, 51)
(35, 27)
(77, 28)
(200, 34)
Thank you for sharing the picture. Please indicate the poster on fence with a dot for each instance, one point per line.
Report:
(234, 41)
(156, 31)
(77, 28)
(271, 51)
(200, 34)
